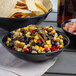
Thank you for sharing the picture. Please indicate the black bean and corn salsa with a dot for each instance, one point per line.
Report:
(35, 39)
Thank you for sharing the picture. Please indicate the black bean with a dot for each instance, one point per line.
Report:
(33, 44)
(30, 49)
(11, 44)
(36, 30)
(26, 42)
(39, 43)
(22, 30)
(41, 34)
(25, 36)
(22, 40)
(46, 51)
(52, 43)
(28, 39)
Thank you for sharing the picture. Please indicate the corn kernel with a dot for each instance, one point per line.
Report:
(32, 41)
(56, 35)
(9, 39)
(62, 43)
(61, 36)
(58, 43)
(35, 40)
(16, 42)
(25, 46)
(45, 46)
(22, 50)
(25, 28)
(36, 37)
(18, 30)
(33, 47)
(19, 49)
(49, 32)
(53, 31)
(28, 45)
(61, 40)
(61, 46)
(28, 34)
(41, 48)
(50, 28)
(55, 39)
(20, 34)
(49, 51)
(22, 44)
(37, 47)
(7, 43)
(46, 32)
(34, 52)
(47, 27)
(58, 39)
(49, 46)
(14, 36)
(48, 42)
(39, 51)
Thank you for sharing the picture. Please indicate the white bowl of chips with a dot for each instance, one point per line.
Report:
(20, 13)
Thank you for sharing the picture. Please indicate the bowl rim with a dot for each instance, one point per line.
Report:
(29, 17)
(62, 25)
(9, 49)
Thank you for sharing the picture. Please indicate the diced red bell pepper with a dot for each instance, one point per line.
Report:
(38, 40)
(53, 48)
(45, 49)
(57, 47)
(53, 40)
(22, 28)
(26, 49)
(46, 29)
(32, 31)
(13, 48)
(18, 46)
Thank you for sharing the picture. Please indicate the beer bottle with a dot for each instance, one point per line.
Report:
(66, 10)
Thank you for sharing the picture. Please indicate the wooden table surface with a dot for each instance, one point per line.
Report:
(66, 63)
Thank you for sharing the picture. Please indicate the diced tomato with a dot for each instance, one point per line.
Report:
(70, 23)
(13, 48)
(74, 31)
(38, 40)
(46, 29)
(74, 23)
(18, 46)
(42, 46)
(52, 40)
(57, 47)
(53, 48)
(45, 49)
(26, 49)
(32, 31)
(22, 28)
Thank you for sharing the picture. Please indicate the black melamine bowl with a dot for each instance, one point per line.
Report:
(72, 37)
(37, 57)
(14, 23)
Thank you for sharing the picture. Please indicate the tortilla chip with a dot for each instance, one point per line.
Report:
(21, 5)
(23, 0)
(45, 5)
(19, 11)
(31, 6)
(6, 6)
